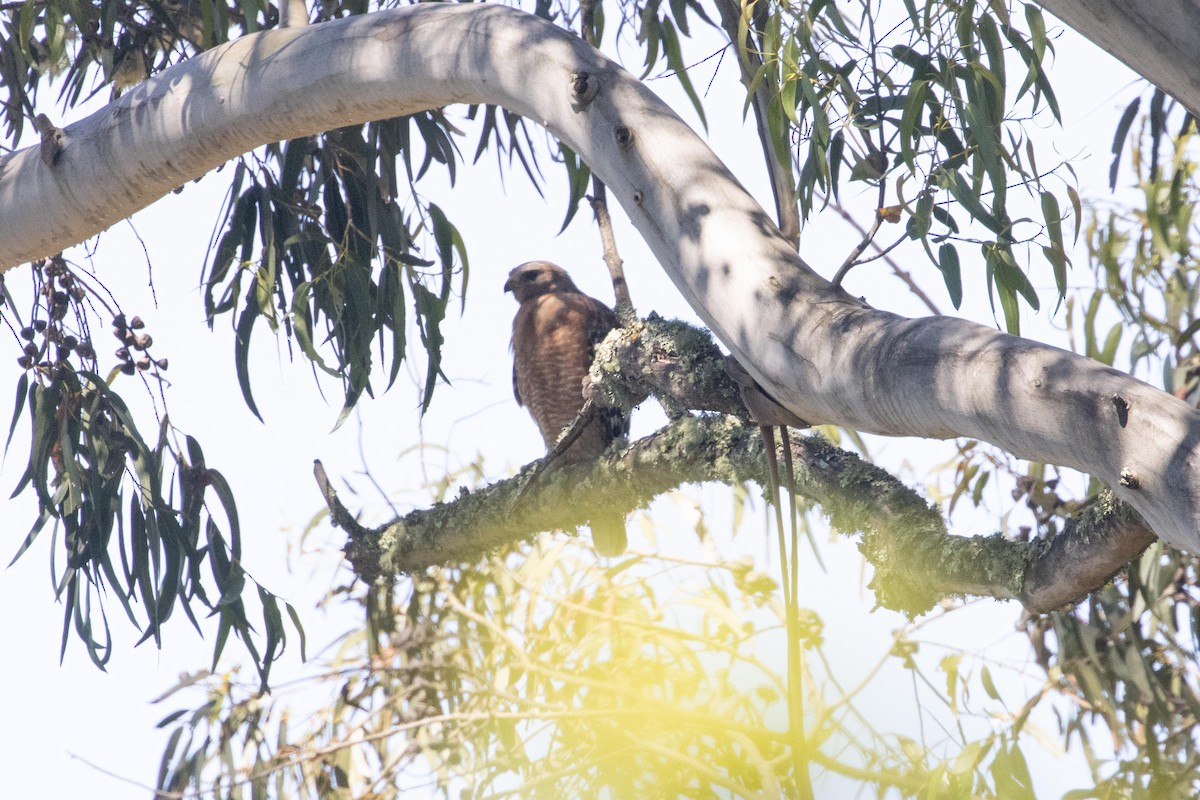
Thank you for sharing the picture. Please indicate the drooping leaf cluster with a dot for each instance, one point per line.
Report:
(1126, 654)
(316, 243)
(925, 103)
(134, 516)
(298, 250)
(1143, 253)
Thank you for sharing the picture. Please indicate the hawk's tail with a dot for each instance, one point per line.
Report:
(608, 533)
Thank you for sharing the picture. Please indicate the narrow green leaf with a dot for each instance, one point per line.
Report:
(139, 545)
(299, 630)
(969, 757)
(303, 330)
(38, 524)
(969, 199)
(18, 407)
(986, 28)
(1037, 29)
(1076, 209)
(918, 62)
(241, 352)
(679, 66)
(1108, 354)
(45, 433)
(1015, 277)
(820, 120)
(219, 485)
(448, 236)
(1118, 144)
(1057, 255)
(987, 149)
(989, 685)
(951, 272)
(1185, 335)
(1000, 9)
(431, 310)
(578, 177)
(273, 631)
(114, 581)
(999, 279)
(837, 147)
(224, 626)
(164, 764)
(234, 584)
(919, 221)
(943, 216)
(835, 17)
(1090, 348)
(1011, 775)
(910, 122)
(68, 612)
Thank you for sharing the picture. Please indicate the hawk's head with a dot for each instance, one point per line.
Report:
(534, 278)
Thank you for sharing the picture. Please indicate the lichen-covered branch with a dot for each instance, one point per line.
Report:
(916, 560)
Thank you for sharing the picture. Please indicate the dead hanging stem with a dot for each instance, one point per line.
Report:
(789, 586)
(599, 197)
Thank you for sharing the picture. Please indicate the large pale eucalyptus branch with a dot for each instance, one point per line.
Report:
(1158, 39)
(827, 356)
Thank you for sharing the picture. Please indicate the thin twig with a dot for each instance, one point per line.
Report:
(339, 515)
(851, 260)
(868, 236)
(897, 270)
(158, 793)
(572, 432)
(616, 271)
(599, 197)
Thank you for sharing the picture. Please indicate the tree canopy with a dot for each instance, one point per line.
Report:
(490, 663)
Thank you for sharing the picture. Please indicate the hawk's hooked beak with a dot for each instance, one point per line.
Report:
(508, 284)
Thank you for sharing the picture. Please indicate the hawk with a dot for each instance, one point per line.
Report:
(554, 339)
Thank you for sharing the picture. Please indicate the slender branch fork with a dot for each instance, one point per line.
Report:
(599, 198)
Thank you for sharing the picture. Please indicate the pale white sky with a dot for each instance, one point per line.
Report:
(58, 713)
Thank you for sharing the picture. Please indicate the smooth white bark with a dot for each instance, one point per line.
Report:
(292, 13)
(1159, 39)
(823, 354)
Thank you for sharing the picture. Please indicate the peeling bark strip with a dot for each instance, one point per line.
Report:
(824, 355)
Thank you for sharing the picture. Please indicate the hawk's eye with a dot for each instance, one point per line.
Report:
(530, 277)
